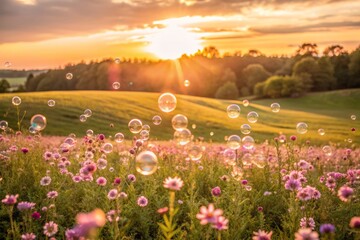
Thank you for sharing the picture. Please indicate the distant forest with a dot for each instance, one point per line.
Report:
(229, 76)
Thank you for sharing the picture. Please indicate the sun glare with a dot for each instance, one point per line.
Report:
(172, 42)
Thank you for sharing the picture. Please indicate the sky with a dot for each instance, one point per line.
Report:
(51, 33)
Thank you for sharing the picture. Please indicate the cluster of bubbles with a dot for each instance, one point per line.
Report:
(69, 76)
(87, 113)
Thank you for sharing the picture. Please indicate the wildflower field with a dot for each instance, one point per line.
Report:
(116, 165)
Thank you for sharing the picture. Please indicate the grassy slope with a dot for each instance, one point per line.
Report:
(15, 81)
(329, 110)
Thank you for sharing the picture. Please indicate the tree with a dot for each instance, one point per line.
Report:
(4, 85)
(307, 49)
(254, 53)
(274, 86)
(227, 91)
(253, 74)
(354, 69)
(209, 52)
(259, 89)
(334, 50)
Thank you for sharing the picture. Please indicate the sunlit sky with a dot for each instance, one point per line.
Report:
(51, 33)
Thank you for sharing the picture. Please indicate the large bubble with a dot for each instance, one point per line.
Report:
(146, 163)
(179, 122)
(233, 111)
(38, 122)
(234, 142)
(135, 125)
(195, 152)
(167, 102)
(183, 136)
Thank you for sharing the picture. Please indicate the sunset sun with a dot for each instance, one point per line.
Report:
(172, 42)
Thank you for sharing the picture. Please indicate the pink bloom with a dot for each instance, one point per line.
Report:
(50, 228)
(163, 210)
(307, 223)
(208, 215)
(112, 216)
(173, 183)
(262, 235)
(36, 215)
(221, 223)
(306, 234)
(355, 222)
(28, 236)
(131, 177)
(293, 184)
(113, 193)
(142, 201)
(101, 181)
(45, 181)
(216, 191)
(22, 206)
(10, 199)
(345, 193)
(52, 194)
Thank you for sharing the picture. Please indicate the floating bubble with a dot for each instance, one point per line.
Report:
(245, 129)
(246, 103)
(51, 103)
(186, 83)
(69, 140)
(119, 137)
(248, 188)
(247, 159)
(230, 156)
(146, 127)
(111, 169)
(117, 60)
(179, 122)
(72, 135)
(156, 120)
(116, 85)
(248, 142)
(64, 147)
(16, 101)
(302, 128)
(233, 111)
(353, 117)
(193, 126)
(195, 152)
(32, 130)
(234, 142)
(135, 125)
(69, 76)
(38, 122)
(89, 133)
(146, 163)
(183, 136)
(275, 107)
(101, 163)
(259, 160)
(87, 113)
(321, 132)
(144, 135)
(107, 148)
(327, 150)
(3, 124)
(211, 134)
(252, 117)
(167, 102)
(349, 140)
(7, 64)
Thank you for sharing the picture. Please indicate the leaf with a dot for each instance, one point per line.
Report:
(167, 222)
(164, 229)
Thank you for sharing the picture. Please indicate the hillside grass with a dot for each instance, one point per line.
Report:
(328, 110)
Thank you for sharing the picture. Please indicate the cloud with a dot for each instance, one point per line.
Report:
(34, 20)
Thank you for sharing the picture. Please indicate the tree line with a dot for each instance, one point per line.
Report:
(229, 76)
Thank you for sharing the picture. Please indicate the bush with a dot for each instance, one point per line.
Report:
(280, 86)
(227, 91)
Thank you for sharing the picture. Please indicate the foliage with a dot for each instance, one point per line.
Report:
(227, 91)
(4, 85)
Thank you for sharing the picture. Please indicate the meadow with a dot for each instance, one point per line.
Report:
(287, 184)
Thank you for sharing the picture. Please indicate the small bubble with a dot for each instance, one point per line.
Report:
(16, 101)
(233, 111)
(275, 107)
(51, 103)
(302, 128)
(116, 85)
(156, 120)
(69, 76)
(252, 117)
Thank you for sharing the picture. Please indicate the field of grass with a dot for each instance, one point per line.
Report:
(328, 110)
(15, 81)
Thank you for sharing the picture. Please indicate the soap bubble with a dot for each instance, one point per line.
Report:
(89, 133)
(193, 126)
(248, 142)
(146, 163)
(146, 127)
(259, 160)
(246, 103)
(7, 64)
(186, 83)
(116, 85)
(32, 130)
(16, 101)
(107, 147)
(167, 102)
(38, 122)
(156, 120)
(211, 134)
(101, 163)
(69, 76)
(245, 129)
(117, 60)
(252, 117)
(327, 150)
(179, 122)
(233, 111)
(51, 103)
(3, 124)
(195, 152)
(230, 156)
(135, 125)
(302, 128)
(275, 107)
(353, 117)
(234, 142)
(183, 136)
(144, 135)
(119, 137)
(247, 159)
(82, 118)
(87, 113)
(71, 141)
(321, 132)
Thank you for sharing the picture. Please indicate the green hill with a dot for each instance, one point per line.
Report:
(328, 110)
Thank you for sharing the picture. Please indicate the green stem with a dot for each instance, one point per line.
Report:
(12, 221)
